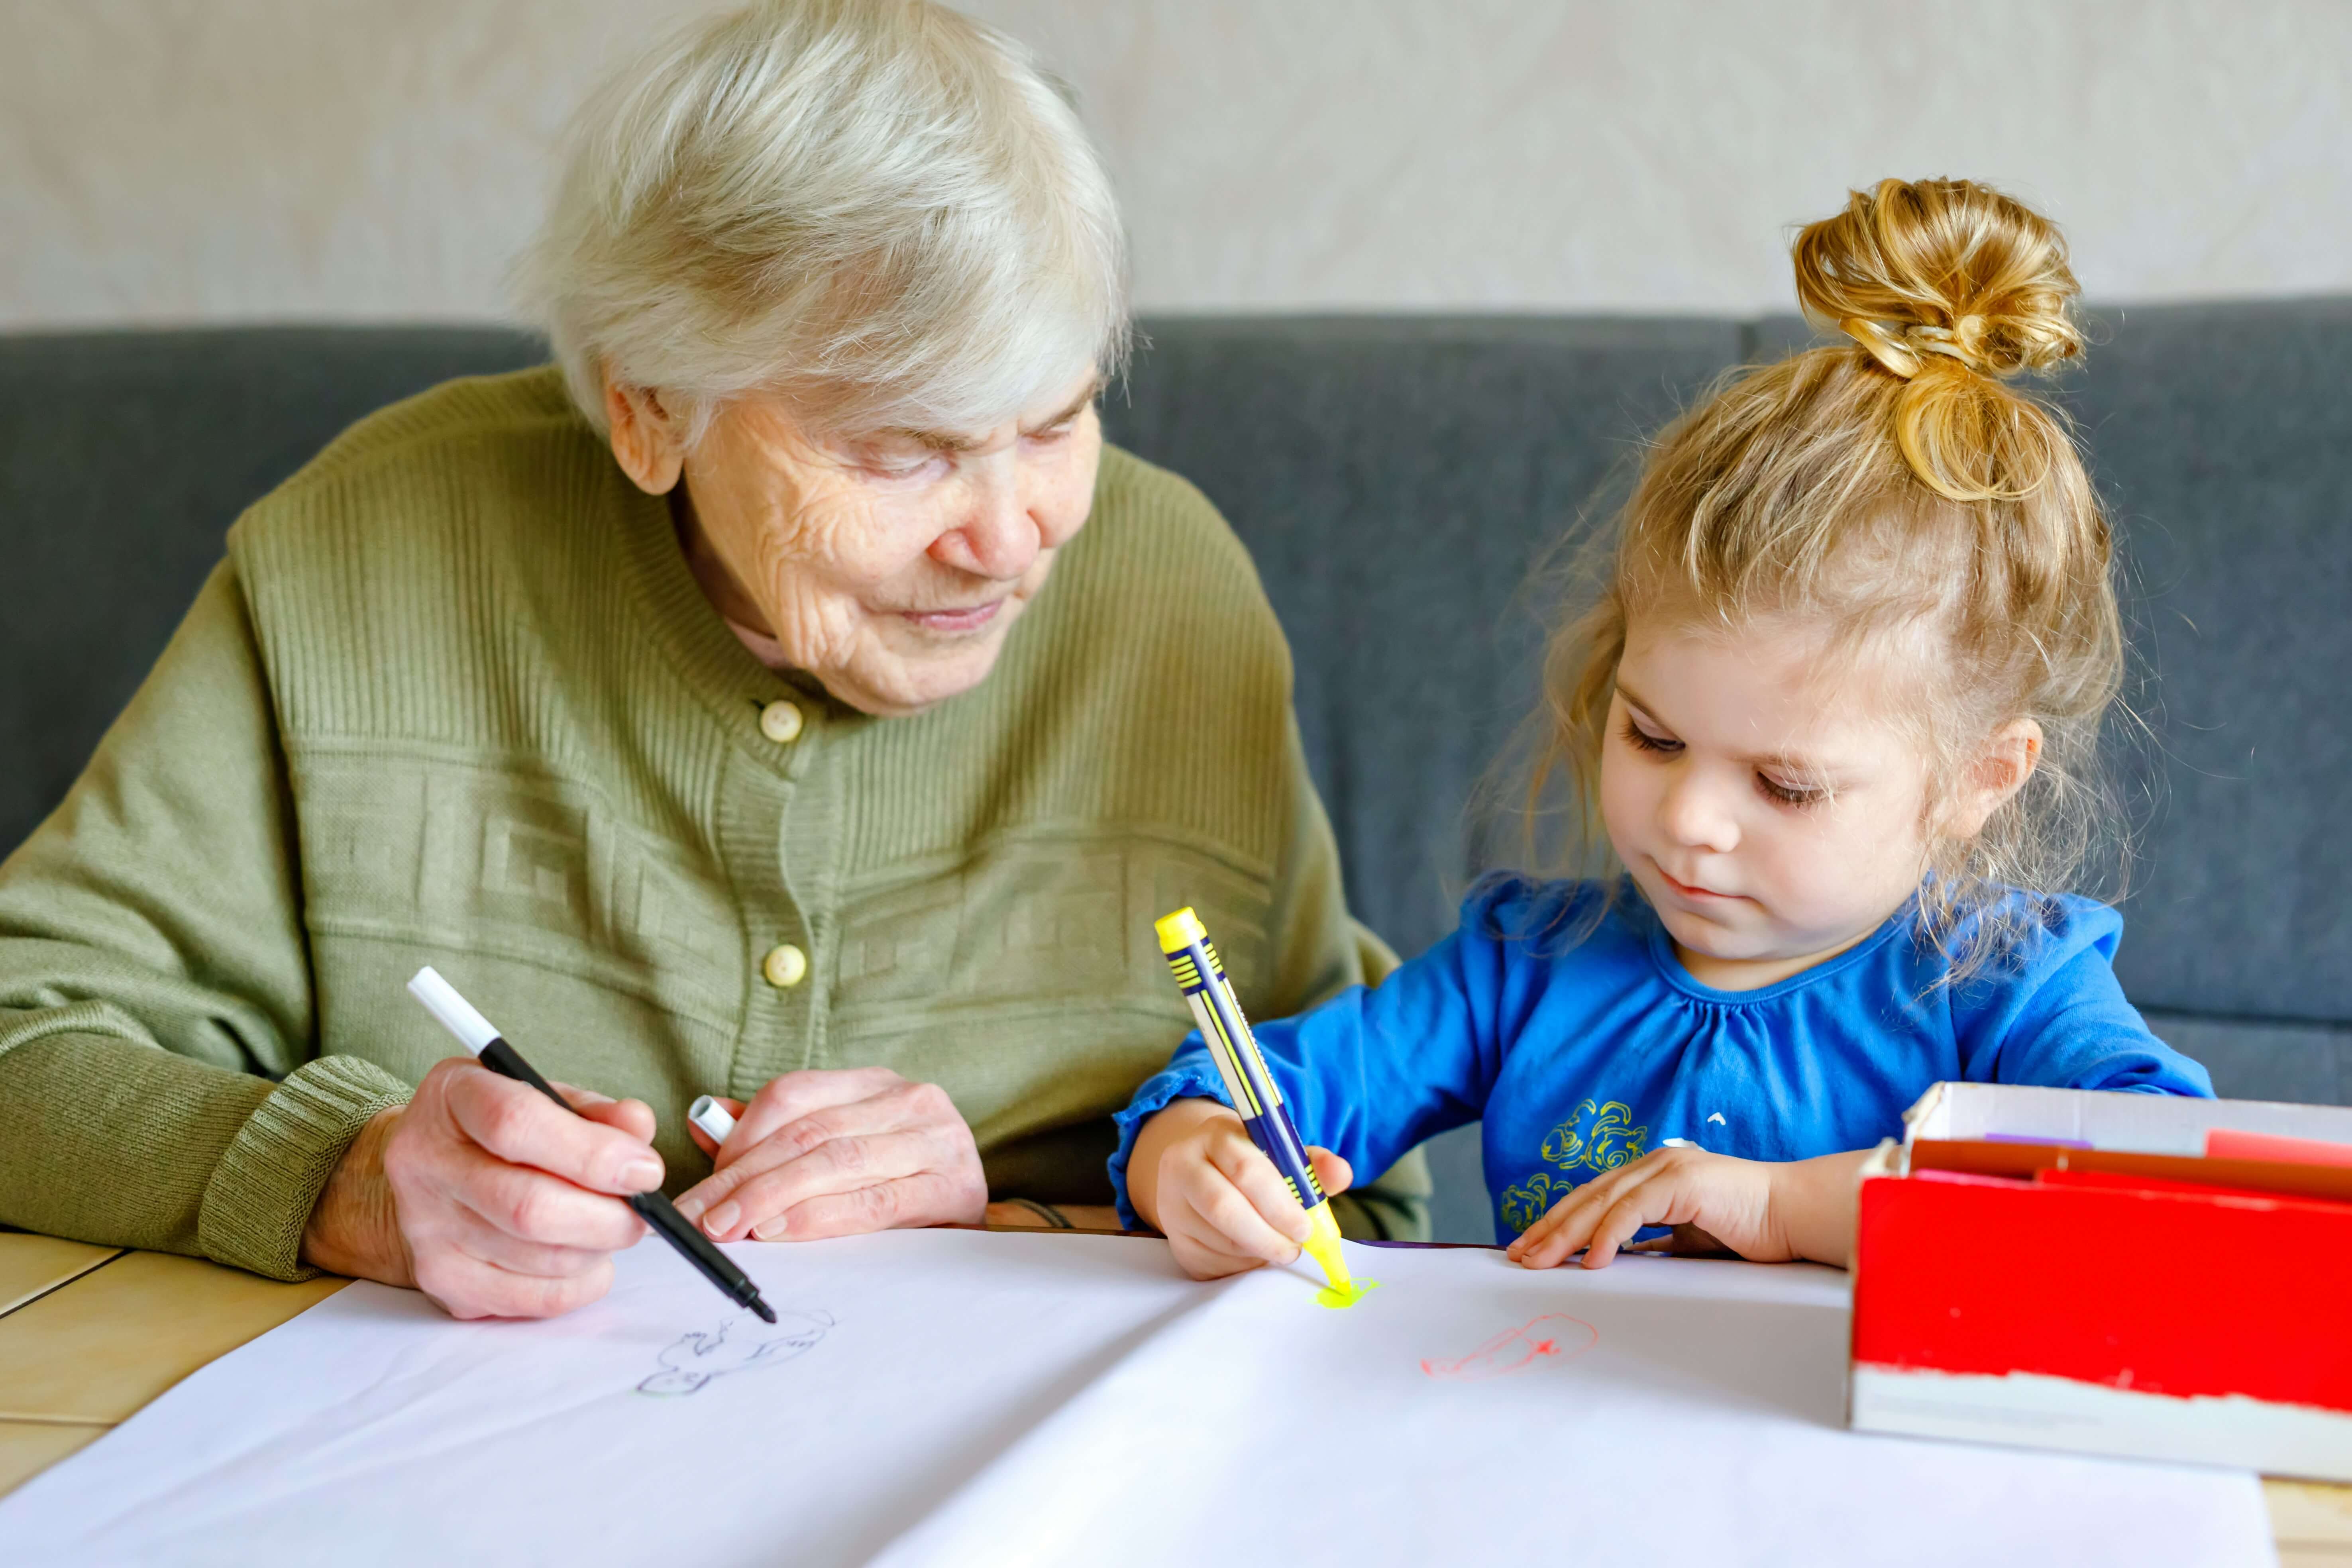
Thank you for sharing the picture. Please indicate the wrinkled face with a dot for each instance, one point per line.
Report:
(889, 566)
(1765, 800)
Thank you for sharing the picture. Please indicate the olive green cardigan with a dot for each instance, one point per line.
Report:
(454, 697)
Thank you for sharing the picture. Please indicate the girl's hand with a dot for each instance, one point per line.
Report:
(1196, 1177)
(1767, 1212)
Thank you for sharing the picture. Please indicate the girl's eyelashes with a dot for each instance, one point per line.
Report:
(1773, 789)
(1641, 739)
(1789, 795)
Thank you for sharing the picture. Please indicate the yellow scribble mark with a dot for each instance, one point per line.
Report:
(1340, 1297)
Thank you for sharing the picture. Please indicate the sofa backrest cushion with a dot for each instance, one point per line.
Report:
(1398, 481)
(1397, 478)
(124, 455)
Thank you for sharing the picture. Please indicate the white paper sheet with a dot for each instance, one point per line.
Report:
(955, 1398)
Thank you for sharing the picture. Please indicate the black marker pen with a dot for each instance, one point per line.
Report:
(474, 1032)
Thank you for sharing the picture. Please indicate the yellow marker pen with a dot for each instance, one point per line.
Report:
(1201, 976)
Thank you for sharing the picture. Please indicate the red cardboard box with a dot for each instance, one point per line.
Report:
(2064, 1269)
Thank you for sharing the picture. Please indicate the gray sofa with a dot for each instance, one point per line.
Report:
(1397, 478)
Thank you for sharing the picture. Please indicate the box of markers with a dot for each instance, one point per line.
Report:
(2124, 1274)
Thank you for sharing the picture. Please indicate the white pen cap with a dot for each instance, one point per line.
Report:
(453, 1012)
(711, 1117)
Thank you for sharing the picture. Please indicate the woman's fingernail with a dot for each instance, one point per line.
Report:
(768, 1230)
(642, 1173)
(722, 1220)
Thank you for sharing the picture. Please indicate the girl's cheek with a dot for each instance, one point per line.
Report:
(1882, 860)
(1820, 861)
(1620, 805)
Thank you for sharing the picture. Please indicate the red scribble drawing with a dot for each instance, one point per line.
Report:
(1547, 1341)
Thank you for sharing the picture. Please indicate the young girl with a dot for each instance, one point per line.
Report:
(1837, 706)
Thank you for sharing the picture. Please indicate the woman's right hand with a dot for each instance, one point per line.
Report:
(488, 1197)
(1196, 1176)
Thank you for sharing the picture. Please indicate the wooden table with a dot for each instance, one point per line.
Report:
(89, 1334)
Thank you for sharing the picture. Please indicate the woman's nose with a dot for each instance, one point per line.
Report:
(1694, 814)
(995, 537)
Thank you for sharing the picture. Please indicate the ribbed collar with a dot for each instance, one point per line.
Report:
(689, 630)
(1670, 967)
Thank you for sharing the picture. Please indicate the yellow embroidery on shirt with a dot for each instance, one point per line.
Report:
(1599, 1135)
(1524, 1205)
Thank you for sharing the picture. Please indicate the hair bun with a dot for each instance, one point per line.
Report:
(1918, 271)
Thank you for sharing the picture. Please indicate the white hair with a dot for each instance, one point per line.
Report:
(880, 209)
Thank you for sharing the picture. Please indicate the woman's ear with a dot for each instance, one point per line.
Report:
(2010, 755)
(646, 441)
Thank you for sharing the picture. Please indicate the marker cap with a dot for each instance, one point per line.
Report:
(711, 1117)
(1179, 931)
(453, 1012)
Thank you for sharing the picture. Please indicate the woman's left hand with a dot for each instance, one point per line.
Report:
(1767, 1212)
(839, 1152)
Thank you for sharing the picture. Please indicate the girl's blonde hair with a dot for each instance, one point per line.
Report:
(1895, 486)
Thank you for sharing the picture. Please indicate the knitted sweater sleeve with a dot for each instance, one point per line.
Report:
(158, 1081)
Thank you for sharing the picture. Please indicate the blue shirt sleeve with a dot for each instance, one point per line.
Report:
(1374, 1071)
(2055, 1015)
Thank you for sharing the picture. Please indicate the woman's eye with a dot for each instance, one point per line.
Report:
(885, 468)
(1643, 740)
(1788, 795)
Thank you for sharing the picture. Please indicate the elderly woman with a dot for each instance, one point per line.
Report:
(790, 697)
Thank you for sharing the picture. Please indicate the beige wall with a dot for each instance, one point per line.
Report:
(166, 159)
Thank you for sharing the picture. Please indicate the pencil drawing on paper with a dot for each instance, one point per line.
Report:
(740, 1344)
(1548, 1341)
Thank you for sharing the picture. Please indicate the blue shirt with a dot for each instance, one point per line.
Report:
(1580, 1055)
